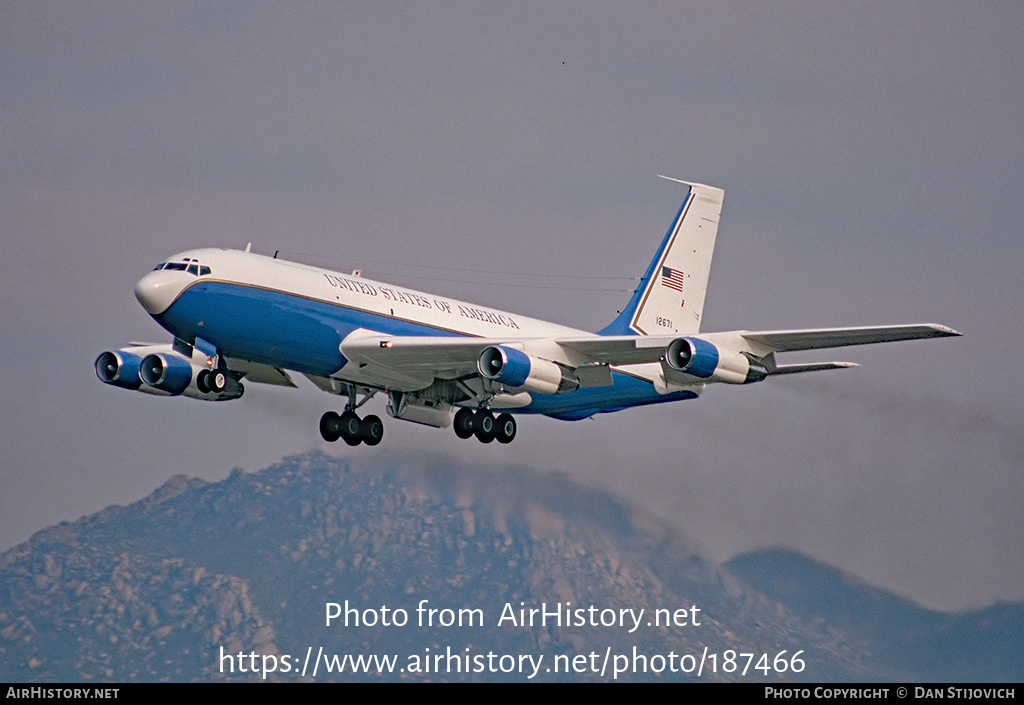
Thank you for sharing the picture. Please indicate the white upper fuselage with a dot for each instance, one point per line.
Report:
(159, 290)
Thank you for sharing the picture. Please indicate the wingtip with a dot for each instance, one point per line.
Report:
(945, 330)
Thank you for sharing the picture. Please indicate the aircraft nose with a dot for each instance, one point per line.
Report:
(157, 290)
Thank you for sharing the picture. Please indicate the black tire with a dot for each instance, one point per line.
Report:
(217, 380)
(463, 423)
(330, 426)
(203, 381)
(484, 426)
(505, 428)
(371, 430)
(348, 427)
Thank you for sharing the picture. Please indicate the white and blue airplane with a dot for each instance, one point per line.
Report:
(236, 316)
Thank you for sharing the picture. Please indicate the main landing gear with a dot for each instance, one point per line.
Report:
(351, 429)
(483, 424)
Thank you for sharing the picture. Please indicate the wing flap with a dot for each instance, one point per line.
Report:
(258, 372)
(809, 367)
(616, 349)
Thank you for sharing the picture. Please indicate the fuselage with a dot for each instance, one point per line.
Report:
(296, 317)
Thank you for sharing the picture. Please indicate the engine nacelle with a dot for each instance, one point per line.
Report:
(158, 369)
(168, 372)
(514, 368)
(120, 368)
(701, 359)
(176, 374)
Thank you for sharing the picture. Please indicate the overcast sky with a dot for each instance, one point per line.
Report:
(873, 162)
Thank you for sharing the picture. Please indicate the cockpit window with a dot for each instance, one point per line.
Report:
(190, 265)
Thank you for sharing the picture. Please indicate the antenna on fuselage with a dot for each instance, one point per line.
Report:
(248, 247)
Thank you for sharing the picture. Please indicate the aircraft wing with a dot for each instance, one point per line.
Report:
(631, 349)
(452, 356)
(819, 338)
(442, 353)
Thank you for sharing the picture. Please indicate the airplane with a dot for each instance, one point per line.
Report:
(237, 315)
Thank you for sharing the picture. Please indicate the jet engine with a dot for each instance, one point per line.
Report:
(167, 372)
(120, 368)
(158, 369)
(706, 361)
(514, 368)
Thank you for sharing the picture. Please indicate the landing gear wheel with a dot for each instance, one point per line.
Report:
(349, 428)
(463, 423)
(483, 426)
(203, 381)
(505, 428)
(217, 381)
(371, 430)
(330, 426)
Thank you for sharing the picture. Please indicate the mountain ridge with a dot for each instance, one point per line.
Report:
(154, 590)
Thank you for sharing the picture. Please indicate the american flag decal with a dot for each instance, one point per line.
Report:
(672, 278)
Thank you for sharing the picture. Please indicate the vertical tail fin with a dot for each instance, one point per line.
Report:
(670, 297)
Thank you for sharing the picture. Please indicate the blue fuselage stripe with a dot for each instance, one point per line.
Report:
(273, 327)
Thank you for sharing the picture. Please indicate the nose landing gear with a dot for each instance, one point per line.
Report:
(214, 381)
